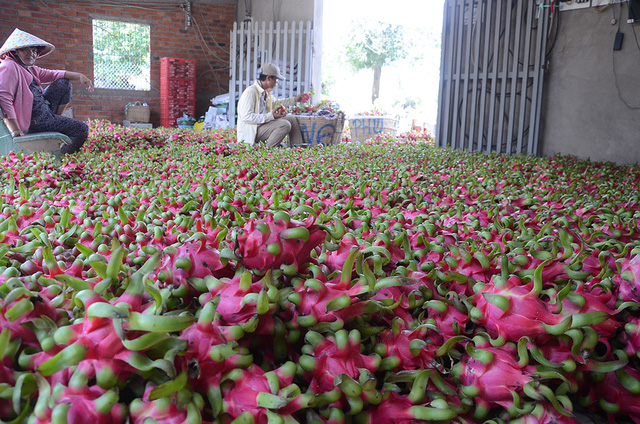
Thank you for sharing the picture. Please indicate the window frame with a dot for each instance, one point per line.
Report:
(121, 91)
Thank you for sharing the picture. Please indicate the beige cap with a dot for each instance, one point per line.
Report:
(19, 39)
(271, 70)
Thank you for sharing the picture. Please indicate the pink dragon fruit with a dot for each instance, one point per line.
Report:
(77, 403)
(334, 260)
(167, 409)
(449, 319)
(398, 409)
(20, 307)
(332, 356)
(261, 396)
(239, 301)
(631, 337)
(544, 413)
(628, 280)
(191, 259)
(211, 352)
(491, 376)
(618, 394)
(404, 349)
(415, 289)
(510, 311)
(333, 302)
(272, 242)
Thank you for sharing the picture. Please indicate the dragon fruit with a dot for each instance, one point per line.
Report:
(448, 317)
(21, 306)
(191, 259)
(631, 336)
(211, 352)
(404, 349)
(628, 280)
(77, 403)
(510, 310)
(596, 302)
(617, 394)
(174, 408)
(544, 413)
(276, 241)
(492, 376)
(332, 356)
(239, 301)
(398, 409)
(259, 396)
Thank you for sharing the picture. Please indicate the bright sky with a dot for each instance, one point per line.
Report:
(416, 80)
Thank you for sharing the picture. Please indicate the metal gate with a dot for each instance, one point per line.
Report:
(289, 45)
(492, 74)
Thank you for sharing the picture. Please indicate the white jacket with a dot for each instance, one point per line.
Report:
(249, 116)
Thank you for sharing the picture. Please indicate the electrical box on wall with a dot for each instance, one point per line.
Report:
(583, 4)
(603, 3)
(575, 4)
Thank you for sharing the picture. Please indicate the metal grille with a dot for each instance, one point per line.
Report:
(121, 56)
(287, 45)
(492, 71)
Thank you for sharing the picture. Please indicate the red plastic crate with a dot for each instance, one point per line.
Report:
(173, 67)
(172, 109)
(177, 89)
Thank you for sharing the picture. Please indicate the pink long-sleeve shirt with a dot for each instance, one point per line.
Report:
(16, 100)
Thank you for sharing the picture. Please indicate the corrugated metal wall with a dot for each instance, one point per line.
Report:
(492, 74)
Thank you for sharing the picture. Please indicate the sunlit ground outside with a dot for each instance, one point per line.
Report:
(408, 87)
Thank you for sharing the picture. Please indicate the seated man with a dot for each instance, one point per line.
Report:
(258, 118)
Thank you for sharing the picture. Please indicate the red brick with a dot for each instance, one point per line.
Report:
(168, 38)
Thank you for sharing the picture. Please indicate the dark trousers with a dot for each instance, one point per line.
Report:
(45, 119)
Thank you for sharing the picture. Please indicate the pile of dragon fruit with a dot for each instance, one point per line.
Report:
(173, 276)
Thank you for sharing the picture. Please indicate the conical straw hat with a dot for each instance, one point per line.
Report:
(19, 39)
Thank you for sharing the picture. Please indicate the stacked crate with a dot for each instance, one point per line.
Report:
(177, 89)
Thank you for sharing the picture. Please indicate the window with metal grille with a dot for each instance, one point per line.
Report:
(121, 55)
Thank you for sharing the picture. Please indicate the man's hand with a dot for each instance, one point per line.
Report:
(279, 112)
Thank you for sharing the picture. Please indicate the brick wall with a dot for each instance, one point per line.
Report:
(67, 25)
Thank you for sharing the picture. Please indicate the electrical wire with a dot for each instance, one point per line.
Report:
(615, 73)
(555, 29)
(601, 8)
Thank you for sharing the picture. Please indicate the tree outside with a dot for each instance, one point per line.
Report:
(409, 84)
(121, 55)
(374, 44)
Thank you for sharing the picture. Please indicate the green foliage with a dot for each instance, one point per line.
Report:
(121, 55)
(375, 44)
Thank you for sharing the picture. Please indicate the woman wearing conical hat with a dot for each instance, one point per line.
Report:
(26, 106)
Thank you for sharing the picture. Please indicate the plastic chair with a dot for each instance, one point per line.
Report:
(49, 142)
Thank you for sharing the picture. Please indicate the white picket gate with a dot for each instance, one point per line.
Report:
(288, 45)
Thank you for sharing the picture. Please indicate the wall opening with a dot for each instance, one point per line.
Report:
(121, 55)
